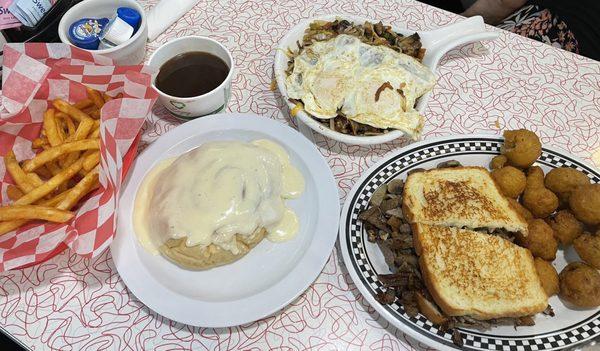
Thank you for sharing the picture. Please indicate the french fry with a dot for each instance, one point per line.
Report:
(65, 140)
(35, 179)
(83, 129)
(54, 152)
(11, 213)
(51, 128)
(61, 188)
(15, 171)
(95, 114)
(96, 97)
(55, 200)
(95, 134)
(61, 129)
(82, 104)
(88, 152)
(68, 121)
(44, 172)
(49, 186)
(9, 226)
(38, 143)
(53, 168)
(69, 109)
(83, 171)
(82, 188)
(13, 192)
(91, 161)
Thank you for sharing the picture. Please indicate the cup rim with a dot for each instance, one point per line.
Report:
(192, 37)
(142, 28)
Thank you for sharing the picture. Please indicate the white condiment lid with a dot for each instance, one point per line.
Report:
(118, 31)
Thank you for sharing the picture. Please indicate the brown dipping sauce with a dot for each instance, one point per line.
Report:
(191, 74)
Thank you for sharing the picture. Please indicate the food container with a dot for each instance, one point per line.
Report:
(132, 52)
(436, 42)
(188, 108)
(31, 83)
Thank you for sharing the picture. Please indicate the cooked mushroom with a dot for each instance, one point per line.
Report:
(378, 195)
(449, 164)
(395, 186)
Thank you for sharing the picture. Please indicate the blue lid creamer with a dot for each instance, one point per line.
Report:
(131, 16)
(85, 32)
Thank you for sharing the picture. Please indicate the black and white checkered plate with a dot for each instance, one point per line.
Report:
(568, 329)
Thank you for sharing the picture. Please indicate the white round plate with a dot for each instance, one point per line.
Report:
(436, 42)
(265, 280)
(365, 261)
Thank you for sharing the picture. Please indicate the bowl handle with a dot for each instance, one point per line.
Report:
(439, 41)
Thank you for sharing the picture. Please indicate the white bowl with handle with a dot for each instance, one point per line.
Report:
(436, 43)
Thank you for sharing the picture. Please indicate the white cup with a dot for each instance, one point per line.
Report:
(131, 52)
(210, 103)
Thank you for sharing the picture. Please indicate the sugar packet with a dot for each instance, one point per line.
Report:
(7, 19)
(30, 12)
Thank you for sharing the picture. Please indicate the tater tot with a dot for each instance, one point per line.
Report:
(498, 162)
(580, 285)
(540, 240)
(563, 180)
(588, 248)
(585, 203)
(566, 227)
(519, 208)
(548, 276)
(510, 180)
(536, 198)
(521, 147)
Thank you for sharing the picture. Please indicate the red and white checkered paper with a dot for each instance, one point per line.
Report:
(33, 75)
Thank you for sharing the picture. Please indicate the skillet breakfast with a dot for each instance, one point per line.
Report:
(473, 248)
(359, 79)
(213, 204)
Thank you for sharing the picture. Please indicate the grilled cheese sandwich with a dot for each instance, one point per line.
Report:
(466, 272)
(477, 275)
(463, 197)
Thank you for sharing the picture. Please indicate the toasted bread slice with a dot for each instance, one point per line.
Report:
(459, 197)
(476, 274)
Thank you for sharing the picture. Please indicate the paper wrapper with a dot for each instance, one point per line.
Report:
(7, 19)
(33, 75)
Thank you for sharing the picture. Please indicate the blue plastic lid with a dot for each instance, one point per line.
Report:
(129, 15)
(85, 32)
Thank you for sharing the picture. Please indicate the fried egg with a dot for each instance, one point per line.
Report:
(373, 85)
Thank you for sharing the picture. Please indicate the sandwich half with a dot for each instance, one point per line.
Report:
(477, 275)
(463, 197)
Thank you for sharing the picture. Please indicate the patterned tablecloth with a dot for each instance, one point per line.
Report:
(69, 303)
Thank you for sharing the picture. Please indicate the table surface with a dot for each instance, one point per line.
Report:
(72, 303)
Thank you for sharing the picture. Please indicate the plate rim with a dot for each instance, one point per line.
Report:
(310, 264)
(407, 327)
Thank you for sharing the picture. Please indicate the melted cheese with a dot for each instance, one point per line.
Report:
(218, 190)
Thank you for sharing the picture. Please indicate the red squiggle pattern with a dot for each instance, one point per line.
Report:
(70, 303)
